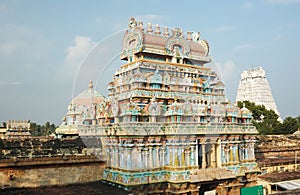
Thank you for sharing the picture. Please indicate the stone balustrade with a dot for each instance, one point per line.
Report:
(165, 128)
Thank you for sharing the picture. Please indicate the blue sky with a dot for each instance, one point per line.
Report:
(43, 44)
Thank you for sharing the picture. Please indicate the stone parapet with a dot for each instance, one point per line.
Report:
(38, 148)
(159, 128)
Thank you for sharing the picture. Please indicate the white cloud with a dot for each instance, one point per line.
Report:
(28, 66)
(151, 18)
(224, 28)
(279, 36)
(4, 9)
(282, 1)
(87, 60)
(9, 83)
(10, 48)
(292, 25)
(76, 52)
(226, 69)
(75, 55)
(248, 5)
(227, 72)
(22, 41)
(244, 47)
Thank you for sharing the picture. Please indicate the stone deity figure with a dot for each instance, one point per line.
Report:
(196, 36)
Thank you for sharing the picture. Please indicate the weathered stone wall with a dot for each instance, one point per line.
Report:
(278, 153)
(49, 171)
(35, 162)
(277, 146)
(40, 147)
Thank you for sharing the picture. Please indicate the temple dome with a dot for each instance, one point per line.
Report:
(88, 96)
(82, 109)
(233, 111)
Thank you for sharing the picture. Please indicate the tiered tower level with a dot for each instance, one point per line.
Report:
(166, 126)
(254, 87)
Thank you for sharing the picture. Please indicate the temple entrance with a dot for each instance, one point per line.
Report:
(208, 153)
(204, 155)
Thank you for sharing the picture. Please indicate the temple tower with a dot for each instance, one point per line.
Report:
(254, 87)
(166, 126)
(169, 126)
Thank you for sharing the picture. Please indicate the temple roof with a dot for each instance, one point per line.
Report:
(137, 40)
(88, 95)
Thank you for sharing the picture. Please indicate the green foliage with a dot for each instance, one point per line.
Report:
(266, 121)
(42, 130)
(289, 126)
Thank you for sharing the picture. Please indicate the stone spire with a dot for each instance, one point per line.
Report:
(91, 85)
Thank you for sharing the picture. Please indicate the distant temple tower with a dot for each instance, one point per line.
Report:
(254, 87)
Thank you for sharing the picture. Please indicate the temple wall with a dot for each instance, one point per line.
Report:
(40, 147)
(19, 173)
(278, 153)
(35, 162)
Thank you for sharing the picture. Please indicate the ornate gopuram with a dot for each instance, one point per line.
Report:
(254, 87)
(166, 126)
(169, 127)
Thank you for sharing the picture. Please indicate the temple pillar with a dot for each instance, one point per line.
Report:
(162, 156)
(172, 155)
(182, 160)
(156, 156)
(213, 156)
(219, 154)
(150, 159)
(179, 156)
(129, 158)
(188, 163)
(113, 156)
(186, 157)
(108, 151)
(253, 152)
(246, 151)
(167, 157)
(117, 157)
(147, 154)
(241, 154)
(236, 152)
(203, 156)
(230, 153)
(122, 160)
(227, 153)
(176, 156)
(197, 151)
(153, 156)
(140, 162)
(192, 160)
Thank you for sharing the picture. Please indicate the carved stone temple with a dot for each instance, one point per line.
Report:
(166, 127)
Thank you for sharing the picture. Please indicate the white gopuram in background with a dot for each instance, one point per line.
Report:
(255, 87)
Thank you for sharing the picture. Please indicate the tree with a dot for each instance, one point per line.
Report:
(42, 130)
(289, 126)
(266, 121)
